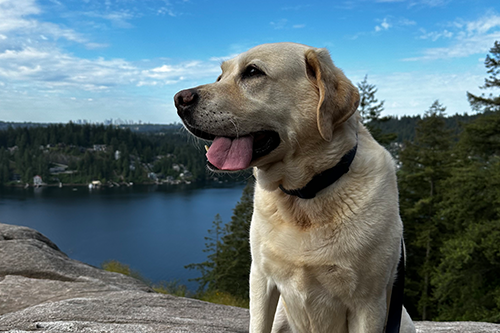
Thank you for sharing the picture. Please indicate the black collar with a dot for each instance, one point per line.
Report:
(325, 178)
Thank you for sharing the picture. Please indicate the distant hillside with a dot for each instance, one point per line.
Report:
(80, 154)
(138, 128)
(404, 126)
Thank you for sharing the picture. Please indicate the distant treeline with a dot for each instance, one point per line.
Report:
(167, 151)
(404, 127)
(79, 154)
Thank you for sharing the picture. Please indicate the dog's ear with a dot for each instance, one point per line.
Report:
(338, 97)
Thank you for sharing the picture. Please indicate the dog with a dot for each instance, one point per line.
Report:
(325, 244)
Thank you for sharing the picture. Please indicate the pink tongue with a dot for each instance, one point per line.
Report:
(231, 154)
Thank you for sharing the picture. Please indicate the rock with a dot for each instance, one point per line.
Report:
(127, 311)
(456, 327)
(43, 290)
(33, 270)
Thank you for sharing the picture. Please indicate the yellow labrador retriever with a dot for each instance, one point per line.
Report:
(326, 232)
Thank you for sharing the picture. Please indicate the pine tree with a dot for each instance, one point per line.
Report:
(466, 281)
(483, 102)
(228, 264)
(425, 164)
(209, 269)
(235, 257)
(371, 110)
(483, 135)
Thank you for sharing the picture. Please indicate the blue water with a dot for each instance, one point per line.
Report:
(156, 230)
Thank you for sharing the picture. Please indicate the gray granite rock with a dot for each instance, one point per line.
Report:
(127, 311)
(456, 327)
(42, 290)
(33, 270)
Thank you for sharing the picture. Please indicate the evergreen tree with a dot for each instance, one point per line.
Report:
(235, 249)
(209, 269)
(483, 102)
(371, 109)
(466, 282)
(425, 164)
(228, 266)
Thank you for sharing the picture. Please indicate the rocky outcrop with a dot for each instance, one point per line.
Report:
(43, 290)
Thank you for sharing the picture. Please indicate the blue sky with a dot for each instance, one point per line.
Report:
(63, 60)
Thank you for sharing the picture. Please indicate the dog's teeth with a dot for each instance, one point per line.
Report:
(206, 148)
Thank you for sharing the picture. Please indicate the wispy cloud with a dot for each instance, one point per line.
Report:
(392, 22)
(284, 24)
(398, 90)
(383, 26)
(435, 35)
(18, 25)
(429, 3)
(467, 38)
(52, 68)
(119, 19)
(30, 56)
(412, 3)
(280, 24)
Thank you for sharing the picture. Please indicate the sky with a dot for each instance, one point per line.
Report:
(65, 60)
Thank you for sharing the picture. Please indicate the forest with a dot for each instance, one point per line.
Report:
(79, 154)
(449, 183)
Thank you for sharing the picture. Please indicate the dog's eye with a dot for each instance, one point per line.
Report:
(219, 78)
(252, 71)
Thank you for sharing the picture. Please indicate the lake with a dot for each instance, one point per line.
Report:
(156, 230)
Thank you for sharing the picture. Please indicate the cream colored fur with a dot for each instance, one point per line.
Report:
(326, 264)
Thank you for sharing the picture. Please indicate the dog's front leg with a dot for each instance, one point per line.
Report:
(368, 317)
(264, 296)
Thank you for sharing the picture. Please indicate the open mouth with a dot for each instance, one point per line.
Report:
(237, 153)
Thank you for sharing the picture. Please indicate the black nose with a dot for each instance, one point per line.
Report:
(185, 99)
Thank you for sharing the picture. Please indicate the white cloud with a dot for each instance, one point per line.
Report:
(435, 35)
(29, 57)
(428, 3)
(391, 22)
(299, 26)
(412, 93)
(469, 38)
(383, 26)
(118, 19)
(52, 68)
(16, 17)
(279, 24)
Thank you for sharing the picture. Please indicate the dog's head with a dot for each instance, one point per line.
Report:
(270, 102)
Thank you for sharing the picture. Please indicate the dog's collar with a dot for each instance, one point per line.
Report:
(325, 178)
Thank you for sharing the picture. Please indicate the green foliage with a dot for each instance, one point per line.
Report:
(171, 288)
(491, 102)
(467, 283)
(220, 297)
(450, 205)
(425, 164)
(30, 151)
(118, 267)
(227, 267)
(371, 109)
(209, 269)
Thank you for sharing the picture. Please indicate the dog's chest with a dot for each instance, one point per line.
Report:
(304, 261)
